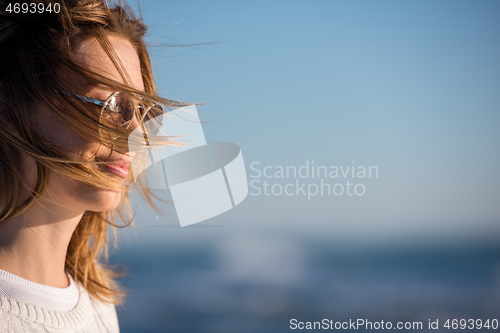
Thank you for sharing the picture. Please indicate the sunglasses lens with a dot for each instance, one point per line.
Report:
(118, 110)
(153, 118)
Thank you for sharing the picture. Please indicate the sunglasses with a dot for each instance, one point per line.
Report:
(119, 109)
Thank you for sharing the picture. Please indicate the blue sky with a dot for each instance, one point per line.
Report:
(412, 87)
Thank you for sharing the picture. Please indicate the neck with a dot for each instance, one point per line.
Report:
(33, 245)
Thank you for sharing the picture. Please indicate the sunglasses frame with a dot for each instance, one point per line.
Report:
(104, 103)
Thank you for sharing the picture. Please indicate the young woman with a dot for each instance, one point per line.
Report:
(73, 85)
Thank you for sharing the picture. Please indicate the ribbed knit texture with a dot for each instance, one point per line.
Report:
(89, 316)
(51, 298)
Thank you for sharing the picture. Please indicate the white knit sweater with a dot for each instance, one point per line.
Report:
(89, 316)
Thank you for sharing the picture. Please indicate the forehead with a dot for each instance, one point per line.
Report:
(90, 54)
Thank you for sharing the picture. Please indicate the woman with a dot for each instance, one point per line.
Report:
(73, 85)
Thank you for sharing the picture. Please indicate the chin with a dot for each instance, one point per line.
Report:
(84, 197)
(81, 197)
(104, 200)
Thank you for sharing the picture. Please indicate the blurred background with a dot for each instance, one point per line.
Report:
(410, 87)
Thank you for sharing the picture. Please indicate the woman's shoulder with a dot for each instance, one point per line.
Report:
(89, 315)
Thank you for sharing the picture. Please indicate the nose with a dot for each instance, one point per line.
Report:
(135, 140)
(135, 123)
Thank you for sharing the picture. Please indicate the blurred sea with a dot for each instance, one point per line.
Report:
(259, 285)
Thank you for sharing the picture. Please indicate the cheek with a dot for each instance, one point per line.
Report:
(64, 137)
(62, 189)
(65, 192)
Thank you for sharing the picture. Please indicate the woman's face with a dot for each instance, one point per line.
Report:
(62, 189)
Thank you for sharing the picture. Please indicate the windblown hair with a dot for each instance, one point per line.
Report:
(34, 50)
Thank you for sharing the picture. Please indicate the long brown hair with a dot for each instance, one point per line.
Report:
(34, 50)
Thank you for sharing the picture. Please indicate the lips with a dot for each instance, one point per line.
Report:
(118, 168)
